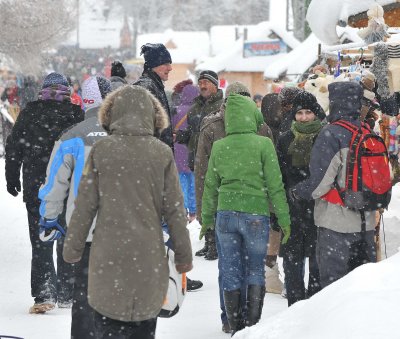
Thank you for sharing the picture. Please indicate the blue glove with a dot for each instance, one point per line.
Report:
(50, 230)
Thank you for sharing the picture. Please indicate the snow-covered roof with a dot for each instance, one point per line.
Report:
(185, 47)
(231, 59)
(99, 25)
(295, 62)
(323, 15)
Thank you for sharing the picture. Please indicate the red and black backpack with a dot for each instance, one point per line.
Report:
(368, 183)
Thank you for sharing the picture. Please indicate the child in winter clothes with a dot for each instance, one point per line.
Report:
(243, 177)
(130, 181)
(186, 176)
(294, 150)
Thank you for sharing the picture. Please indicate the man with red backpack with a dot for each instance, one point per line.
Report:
(350, 180)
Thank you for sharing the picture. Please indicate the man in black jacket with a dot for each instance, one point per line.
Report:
(30, 145)
(157, 66)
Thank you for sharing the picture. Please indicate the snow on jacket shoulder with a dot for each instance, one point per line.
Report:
(66, 165)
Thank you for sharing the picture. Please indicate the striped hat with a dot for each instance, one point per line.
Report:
(209, 75)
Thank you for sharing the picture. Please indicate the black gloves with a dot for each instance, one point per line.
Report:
(13, 188)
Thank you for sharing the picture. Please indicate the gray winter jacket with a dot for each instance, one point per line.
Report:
(328, 162)
(65, 167)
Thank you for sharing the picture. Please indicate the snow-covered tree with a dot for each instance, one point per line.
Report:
(30, 27)
(301, 29)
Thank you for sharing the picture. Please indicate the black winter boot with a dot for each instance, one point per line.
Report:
(204, 250)
(212, 253)
(255, 302)
(233, 310)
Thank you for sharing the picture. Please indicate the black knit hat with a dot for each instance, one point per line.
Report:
(117, 69)
(209, 75)
(104, 85)
(306, 100)
(155, 55)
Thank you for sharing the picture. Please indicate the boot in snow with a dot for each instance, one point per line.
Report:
(272, 282)
(254, 302)
(43, 307)
(212, 253)
(192, 285)
(233, 310)
(204, 250)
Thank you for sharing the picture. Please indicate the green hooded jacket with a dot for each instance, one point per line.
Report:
(243, 172)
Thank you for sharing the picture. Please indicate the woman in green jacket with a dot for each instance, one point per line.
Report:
(242, 182)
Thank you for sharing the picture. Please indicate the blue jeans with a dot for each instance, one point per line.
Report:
(189, 195)
(240, 233)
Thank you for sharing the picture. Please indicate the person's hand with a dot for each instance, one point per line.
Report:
(292, 195)
(13, 188)
(203, 231)
(286, 234)
(50, 230)
(183, 268)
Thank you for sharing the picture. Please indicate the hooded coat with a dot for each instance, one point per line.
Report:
(130, 182)
(328, 162)
(243, 172)
(213, 129)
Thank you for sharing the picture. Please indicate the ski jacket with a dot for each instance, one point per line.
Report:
(152, 82)
(37, 128)
(328, 162)
(65, 167)
(130, 181)
(243, 172)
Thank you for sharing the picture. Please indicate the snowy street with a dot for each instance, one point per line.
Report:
(199, 317)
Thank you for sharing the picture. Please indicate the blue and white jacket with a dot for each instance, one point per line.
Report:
(66, 165)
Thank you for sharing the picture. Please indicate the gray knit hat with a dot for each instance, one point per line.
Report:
(238, 88)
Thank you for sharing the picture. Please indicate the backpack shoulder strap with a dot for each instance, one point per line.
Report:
(347, 125)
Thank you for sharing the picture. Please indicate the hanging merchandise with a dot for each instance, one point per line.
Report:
(394, 67)
(337, 73)
(379, 67)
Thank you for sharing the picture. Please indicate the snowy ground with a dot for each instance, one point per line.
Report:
(199, 317)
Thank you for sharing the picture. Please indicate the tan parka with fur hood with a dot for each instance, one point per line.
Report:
(130, 181)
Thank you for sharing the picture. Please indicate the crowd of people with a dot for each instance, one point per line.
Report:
(111, 167)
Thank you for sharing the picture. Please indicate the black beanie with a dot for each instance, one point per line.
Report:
(209, 75)
(155, 55)
(117, 69)
(306, 100)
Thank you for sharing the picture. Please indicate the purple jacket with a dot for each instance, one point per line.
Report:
(189, 92)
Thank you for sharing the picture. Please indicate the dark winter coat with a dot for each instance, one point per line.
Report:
(152, 82)
(32, 139)
(130, 181)
(200, 109)
(117, 82)
(213, 129)
(303, 231)
(328, 162)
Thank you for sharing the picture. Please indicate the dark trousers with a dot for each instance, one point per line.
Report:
(82, 324)
(107, 328)
(46, 284)
(340, 253)
(294, 277)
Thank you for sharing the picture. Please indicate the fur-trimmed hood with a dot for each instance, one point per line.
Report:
(132, 110)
